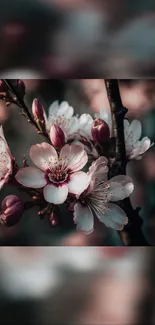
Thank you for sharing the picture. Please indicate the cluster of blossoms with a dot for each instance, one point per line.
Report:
(72, 168)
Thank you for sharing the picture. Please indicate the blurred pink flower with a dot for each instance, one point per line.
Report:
(5, 160)
(58, 175)
(95, 199)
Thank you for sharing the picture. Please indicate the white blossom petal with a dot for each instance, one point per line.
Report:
(83, 217)
(55, 194)
(65, 110)
(136, 129)
(120, 187)
(75, 156)
(43, 155)
(31, 177)
(114, 218)
(73, 125)
(85, 125)
(145, 144)
(78, 183)
(53, 109)
(99, 167)
(5, 158)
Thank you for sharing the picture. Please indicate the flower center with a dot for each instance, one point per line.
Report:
(57, 175)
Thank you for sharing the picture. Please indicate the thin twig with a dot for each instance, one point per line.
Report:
(20, 102)
(133, 230)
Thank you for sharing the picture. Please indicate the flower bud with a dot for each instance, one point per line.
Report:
(12, 209)
(37, 110)
(57, 136)
(100, 131)
(54, 219)
(21, 87)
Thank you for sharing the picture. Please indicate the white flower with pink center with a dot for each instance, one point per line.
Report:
(5, 160)
(135, 148)
(96, 199)
(58, 175)
(62, 115)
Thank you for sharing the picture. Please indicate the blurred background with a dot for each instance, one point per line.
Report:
(76, 285)
(86, 96)
(82, 38)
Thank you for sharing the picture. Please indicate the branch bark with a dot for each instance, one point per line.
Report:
(118, 161)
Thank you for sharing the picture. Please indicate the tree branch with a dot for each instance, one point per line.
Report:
(20, 102)
(118, 162)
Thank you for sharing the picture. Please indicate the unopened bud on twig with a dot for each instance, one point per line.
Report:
(57, 136)
(12, 209)
(100, 131)
(37, 110)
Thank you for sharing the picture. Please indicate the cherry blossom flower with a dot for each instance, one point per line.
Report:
(95, 200)
(86, 122)
(62, 115)
(56, 174)
(5, 160)
(135, 148)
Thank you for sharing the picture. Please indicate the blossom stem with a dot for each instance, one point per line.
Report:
(118, 162)
(20, 102)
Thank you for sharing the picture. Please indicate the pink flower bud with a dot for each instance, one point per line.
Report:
(54, 220)
(37, 110)
(100, 131)
(57, 136)
(12, 209)
(21, 87)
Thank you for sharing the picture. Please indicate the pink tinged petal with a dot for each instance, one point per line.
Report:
(75, 156)
(122, 179)
(78, 183)
(120, 187)
(136, 129)
(55, 194)
(1, 132)
(145, 144)
(31, 177)
(3, 137)
(43, 155)
(84, 219)
(114, 218)
(100, 165)
(5, 158)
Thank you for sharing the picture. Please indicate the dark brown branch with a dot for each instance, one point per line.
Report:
(20, 102)
(118, 163)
